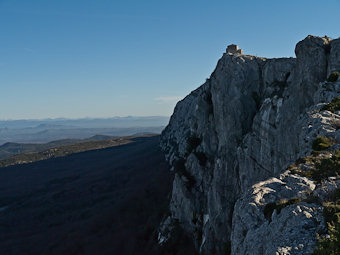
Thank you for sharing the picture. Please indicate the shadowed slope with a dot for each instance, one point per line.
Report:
(105, 201)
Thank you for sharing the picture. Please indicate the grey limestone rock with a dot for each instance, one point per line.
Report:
(334, 57)
(290, 230)
(251, 119)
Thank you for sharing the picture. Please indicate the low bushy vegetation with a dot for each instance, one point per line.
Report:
(330, 245)
(327, 167)
(321, 166)
(333, 77)
(321, 143)
(333, 106)
(324, 167)
(61, 151)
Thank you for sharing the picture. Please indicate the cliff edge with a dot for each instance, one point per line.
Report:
(233, 143)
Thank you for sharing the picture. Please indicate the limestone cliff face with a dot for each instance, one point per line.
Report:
(284, 214)
(245, 124)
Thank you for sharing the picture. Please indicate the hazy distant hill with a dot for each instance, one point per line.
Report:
(118, 122)
(8, 150)
(46, 130)
(36, 152)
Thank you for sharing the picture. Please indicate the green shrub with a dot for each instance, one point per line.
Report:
(326, 167)
(322, 167)
(321, 143)
(336, 196)
(331, 213)
(333, 77)
(333, 106)
(331, 245)
(315, 153)
(311, 199)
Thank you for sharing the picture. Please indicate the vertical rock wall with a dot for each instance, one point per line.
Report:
(240, 127)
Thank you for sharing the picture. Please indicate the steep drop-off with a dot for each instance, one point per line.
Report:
(248, 122)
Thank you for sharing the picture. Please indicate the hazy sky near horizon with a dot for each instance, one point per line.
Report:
(101, 58)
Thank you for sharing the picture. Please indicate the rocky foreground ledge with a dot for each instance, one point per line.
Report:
(255, 151)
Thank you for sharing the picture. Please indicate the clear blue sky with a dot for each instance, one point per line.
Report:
(101, 58)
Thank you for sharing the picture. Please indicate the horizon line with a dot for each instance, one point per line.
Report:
(82, 118)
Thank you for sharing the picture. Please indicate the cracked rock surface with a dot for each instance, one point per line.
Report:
(246, 124)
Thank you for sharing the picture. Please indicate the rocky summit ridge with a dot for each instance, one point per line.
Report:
(244, 148)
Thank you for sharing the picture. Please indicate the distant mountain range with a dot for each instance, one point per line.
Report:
(10, 149)
(117, 122)
(46, 130)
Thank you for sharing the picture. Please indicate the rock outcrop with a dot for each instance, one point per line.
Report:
(247, 123)
(259, 229)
